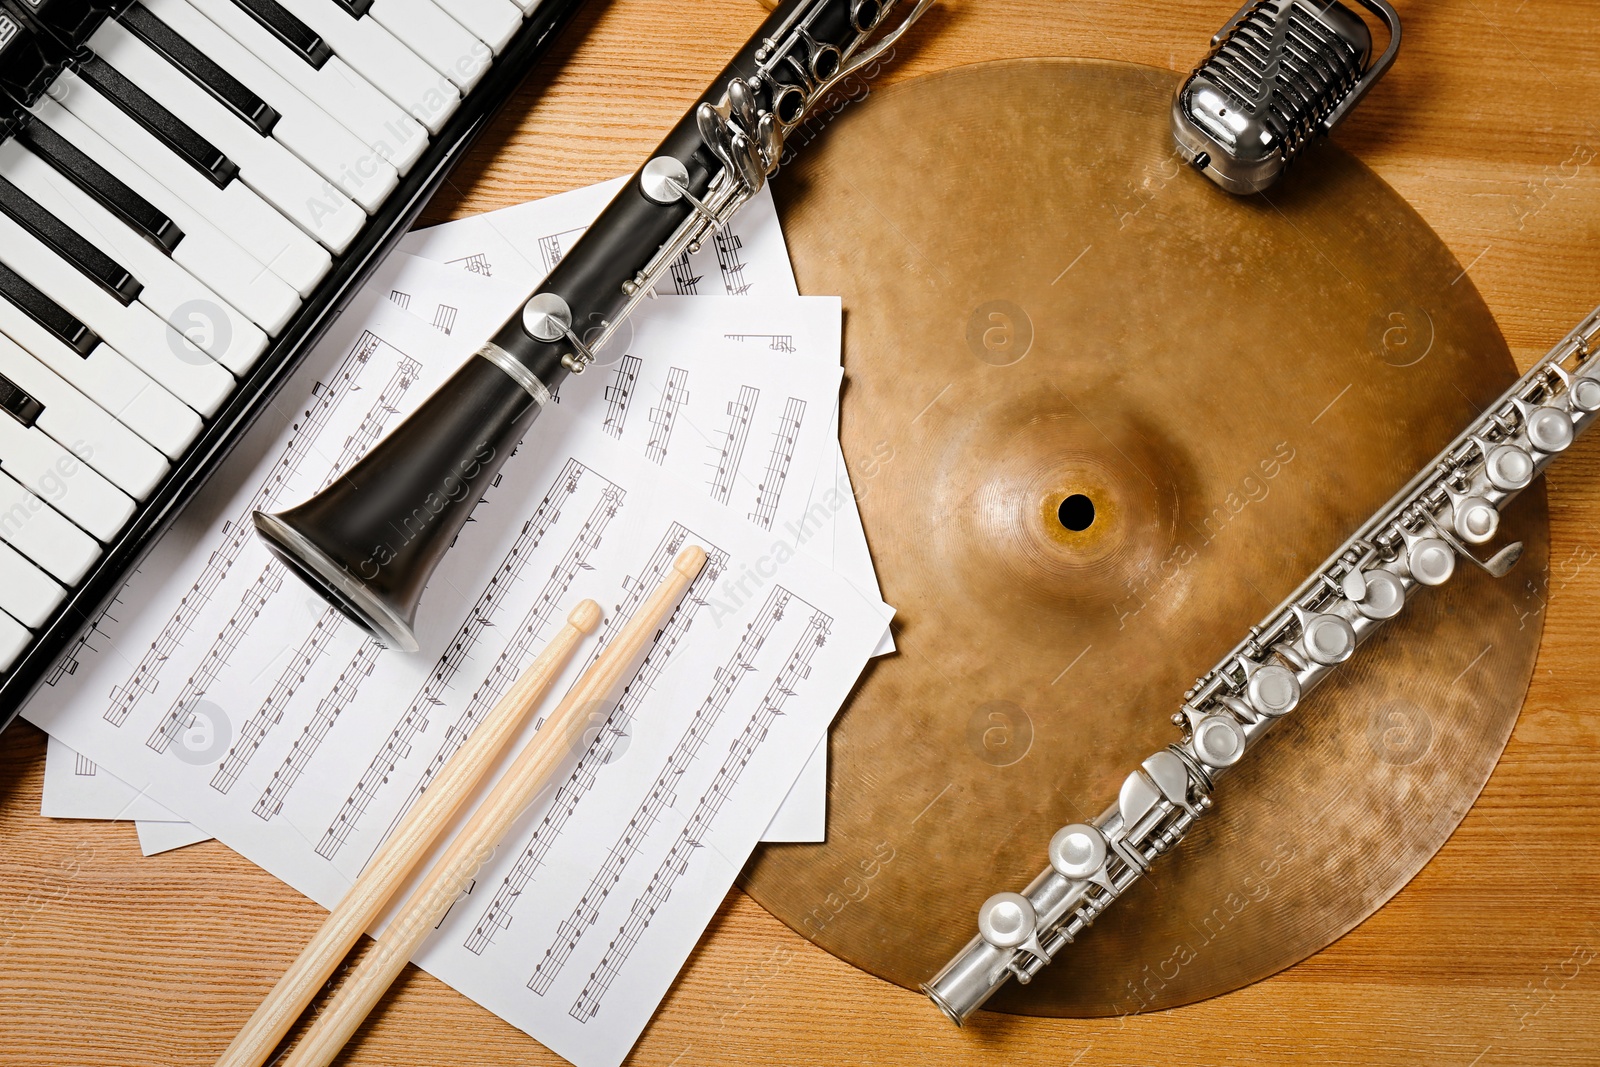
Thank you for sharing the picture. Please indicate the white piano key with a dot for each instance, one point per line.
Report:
(169, 290)
(345, 95)
(494, 22)
(74, 420)
(205, 251)
(38, 531)
(132, 329)
(446, 45)
(286, 183)
(303, 127)
(14, 639)
(527, 6)
(374, 53)
(71, 486)
(236, 210)
(27, 593)
(111, 382)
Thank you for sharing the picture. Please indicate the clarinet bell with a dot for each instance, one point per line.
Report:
(371, 540)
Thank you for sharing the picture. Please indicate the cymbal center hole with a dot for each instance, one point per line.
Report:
(1076, 512)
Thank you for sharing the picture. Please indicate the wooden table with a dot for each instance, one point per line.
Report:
(1488, 125)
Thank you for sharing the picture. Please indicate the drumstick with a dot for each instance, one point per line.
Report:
(406, 847)
(559, 736)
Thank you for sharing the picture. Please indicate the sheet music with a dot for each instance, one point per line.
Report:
(829, 534)
(522, 244)
(419, 286)
(719, 720)
(751, 257)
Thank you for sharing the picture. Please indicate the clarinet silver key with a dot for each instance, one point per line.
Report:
(1414, 541)
(370, 542)
(1279, 73)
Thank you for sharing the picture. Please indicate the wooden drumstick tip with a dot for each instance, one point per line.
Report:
(689, 561)
(586, 616)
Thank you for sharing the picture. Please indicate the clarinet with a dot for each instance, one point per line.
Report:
(371, 540)
(1414, 540)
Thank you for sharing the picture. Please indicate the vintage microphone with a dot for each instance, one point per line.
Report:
(1280, 73)
(372, 539)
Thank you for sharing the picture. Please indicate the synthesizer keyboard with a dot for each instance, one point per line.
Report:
(190, 192)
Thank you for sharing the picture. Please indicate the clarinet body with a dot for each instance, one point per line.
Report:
(1415, 540)
(371, 541)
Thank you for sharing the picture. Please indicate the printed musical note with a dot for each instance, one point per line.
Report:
(770, 491)
(477, 263)
(553, 246)
(731, 452)
(685, 282)
(728, 246)
(619, 393)
(664, 416)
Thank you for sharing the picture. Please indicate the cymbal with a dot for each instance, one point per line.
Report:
(1101, 418)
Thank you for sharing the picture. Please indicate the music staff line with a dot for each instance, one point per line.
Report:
(497, 914)
(675, 864)
(415, 719)
(238, 531)
(262, 590)
(519, 650)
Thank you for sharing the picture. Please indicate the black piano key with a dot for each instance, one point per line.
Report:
(170, 130)
(28, 61)
(68, 244)
(71, 22)
(14, 401)
(146, 219)
(200, 68)
(302, 40)
(47, 313)
(354, 8)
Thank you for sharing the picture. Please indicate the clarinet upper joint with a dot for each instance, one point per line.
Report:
(818, 45)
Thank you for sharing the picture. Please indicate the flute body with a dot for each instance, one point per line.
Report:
(1437, 521)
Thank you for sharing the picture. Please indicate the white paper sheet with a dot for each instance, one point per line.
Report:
(238, 700)
(523, 243)
(75, 788)
(158, 837)
(472, 304)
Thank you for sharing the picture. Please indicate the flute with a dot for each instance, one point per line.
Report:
(1438, 519)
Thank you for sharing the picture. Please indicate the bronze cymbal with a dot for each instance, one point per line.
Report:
(1042, 303)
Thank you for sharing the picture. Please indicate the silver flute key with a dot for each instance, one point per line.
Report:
(1439, 520)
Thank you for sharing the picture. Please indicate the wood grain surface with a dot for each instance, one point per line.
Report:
(1488, 125)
